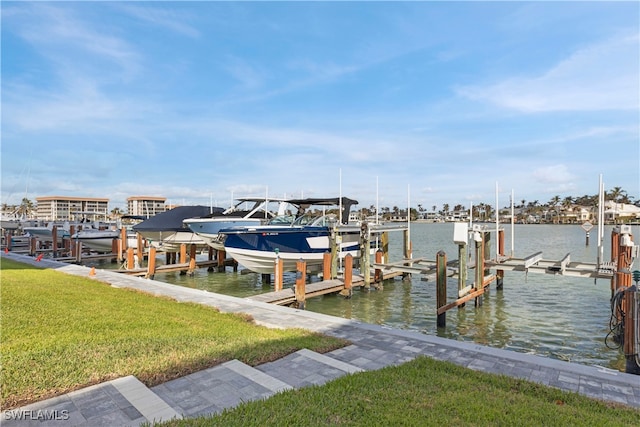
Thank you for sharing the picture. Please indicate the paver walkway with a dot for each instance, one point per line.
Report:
(126, 401)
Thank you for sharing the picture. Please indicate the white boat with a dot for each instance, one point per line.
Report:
(96, 239)
(44, 233)
(166, 231)
(209, 226)
(307, 238)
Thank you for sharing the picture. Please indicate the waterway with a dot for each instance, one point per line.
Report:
(550, 315)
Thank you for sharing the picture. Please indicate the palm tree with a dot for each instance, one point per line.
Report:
(616, 194)
(25, 208)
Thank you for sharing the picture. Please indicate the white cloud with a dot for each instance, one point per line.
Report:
(555, 178)
(603, 76)
(166, 18)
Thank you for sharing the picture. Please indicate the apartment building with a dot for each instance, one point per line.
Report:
(146, 206)
(68, 208)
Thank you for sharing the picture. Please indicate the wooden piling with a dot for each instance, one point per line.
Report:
(479, 273)
(222, 255)
(33, 246)
(123, 238)
(631, 323)
(500, 273)
(377, 276)
(334, 241)
(151, 265)
(365, 261)
(192, 259)
(183, 253)
(210, 258)
(54, 238)
(462, 270)
(326, 266)
(130, 260)
(78, 248)
(384, 244)
(301, 277)
(140, 247)
(441, 287)
(348, 277)
(278, 274)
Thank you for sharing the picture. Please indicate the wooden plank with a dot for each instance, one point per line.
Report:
(461, 301)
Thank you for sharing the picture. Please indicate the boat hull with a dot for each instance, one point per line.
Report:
(208, 229)
(171, 241)
(98, 241)
(257, 249)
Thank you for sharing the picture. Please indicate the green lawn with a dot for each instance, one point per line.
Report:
(61, 332)
(424, 392)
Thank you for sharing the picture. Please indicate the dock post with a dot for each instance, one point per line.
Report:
(32, 246)
(7, 241)
(130, 260)
(377, 276)
(333, 244)
(140, 247)
(222, 255)
(278, 274)
(462, 270)
(441, 287)
(364, 254)
(192, 259)
(151, 267)
(631, 346)
(326, 266)
(301, 276)
(407, 252)
(54, 237)
(183, 253)
(266, 279)
(384, 242)
(120, 248)
(500, 273)
(347, 292)
(123, 237)
(210, 258)
(78, 251)
(479, 279)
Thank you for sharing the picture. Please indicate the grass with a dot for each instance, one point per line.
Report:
(61, 332)
(423, 392)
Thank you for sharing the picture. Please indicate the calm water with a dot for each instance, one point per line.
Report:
(559, 317)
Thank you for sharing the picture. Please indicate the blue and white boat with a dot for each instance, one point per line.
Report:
(256, 248)
(208, 227)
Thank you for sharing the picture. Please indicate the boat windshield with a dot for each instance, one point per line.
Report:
(282, 220)
(315, 220)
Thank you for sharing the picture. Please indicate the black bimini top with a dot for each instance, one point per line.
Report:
(172, 220)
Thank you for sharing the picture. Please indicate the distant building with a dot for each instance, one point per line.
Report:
(620, 212)
(67, 208)
(145, 205)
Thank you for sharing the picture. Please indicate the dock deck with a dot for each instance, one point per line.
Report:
(287, 296)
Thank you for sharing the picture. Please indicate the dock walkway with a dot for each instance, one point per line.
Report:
(126, 401)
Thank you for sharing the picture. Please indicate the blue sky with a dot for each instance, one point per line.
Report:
(433, 102)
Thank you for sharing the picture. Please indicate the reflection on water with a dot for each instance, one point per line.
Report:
(555, 316)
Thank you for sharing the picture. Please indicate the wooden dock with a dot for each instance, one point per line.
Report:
(168, 268)
(314, 289)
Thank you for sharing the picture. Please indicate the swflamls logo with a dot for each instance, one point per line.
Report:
(39, 415)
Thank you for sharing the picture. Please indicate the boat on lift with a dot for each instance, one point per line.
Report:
(166, 230)
(307, 237)
(240, 215)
